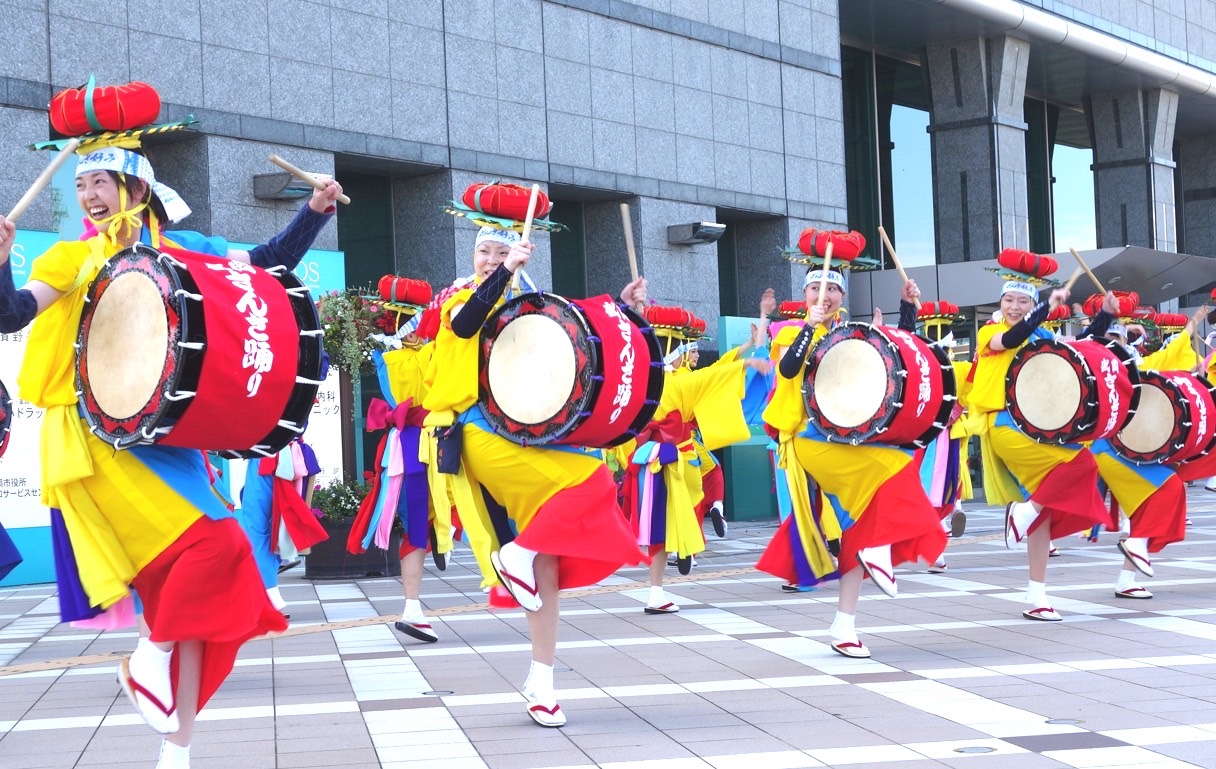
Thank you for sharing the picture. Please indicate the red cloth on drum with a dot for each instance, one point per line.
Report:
(1162, 517)
(715, 489)
(205, 587)
(1070, 494)
(288, 508)
(583, 526)
(898, 515)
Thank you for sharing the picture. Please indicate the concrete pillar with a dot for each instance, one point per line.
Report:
(1133, 136)
(1197, 156)
(977, 86)
(438, 246)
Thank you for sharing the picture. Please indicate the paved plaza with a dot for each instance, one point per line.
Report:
(741, 678)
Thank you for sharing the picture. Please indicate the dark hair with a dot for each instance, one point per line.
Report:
(130, 183)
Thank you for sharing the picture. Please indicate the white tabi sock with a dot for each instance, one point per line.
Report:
(173, 756)
(539, 685)
(413, 611)
(657, 596)
(1036, 594)
(1127, 579)
(843, 628)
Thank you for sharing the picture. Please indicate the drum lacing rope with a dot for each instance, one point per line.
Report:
(188, 295)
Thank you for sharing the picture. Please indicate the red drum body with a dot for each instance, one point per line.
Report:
(188, 350)
(870, 384)
(6, 417)
(1175, 420)
(584, 372)
(1071, 392)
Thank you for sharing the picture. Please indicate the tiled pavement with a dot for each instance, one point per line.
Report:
(741, 677)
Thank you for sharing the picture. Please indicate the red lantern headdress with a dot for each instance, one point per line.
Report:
(847, 247)
(503, 206)
(1024, 272)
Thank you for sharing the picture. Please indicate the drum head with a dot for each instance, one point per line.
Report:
(1152, 428)
(129, 340)
(1047, 391)
(851, 383)
(532, 369)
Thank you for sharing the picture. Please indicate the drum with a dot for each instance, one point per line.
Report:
(6, 417)
(584, 372)
(194, 351)
(1175, 420)
(878, 384)
(1071, 392)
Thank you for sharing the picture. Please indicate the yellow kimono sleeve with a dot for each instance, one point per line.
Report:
(451, 373)
(786, 411)
(712, 396)
(1178, 355)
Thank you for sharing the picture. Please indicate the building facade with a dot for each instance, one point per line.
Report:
(946, 121)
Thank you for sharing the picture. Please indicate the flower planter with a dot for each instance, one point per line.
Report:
(329, 559)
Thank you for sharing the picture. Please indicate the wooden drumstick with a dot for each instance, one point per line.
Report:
(827, 269)
(1088, 271)
(523, 237)
(304, 176)
(43, 179)
(627, 221)
(895, 260)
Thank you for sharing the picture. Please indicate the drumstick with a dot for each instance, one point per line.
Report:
(43, 179)
(827, 269)
(304, 176)
(1088, 272)
(895, 259)
(523, 238)
(627, 221)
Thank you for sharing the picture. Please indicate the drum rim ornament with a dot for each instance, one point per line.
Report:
(6, 417)
(1075, 429)
(185, 324)
(586, 388)
(894, 396)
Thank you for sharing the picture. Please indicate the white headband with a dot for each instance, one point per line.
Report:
(814, 276)
(1020, 287)
(133, 164)
(1117, 328)
(496, 235)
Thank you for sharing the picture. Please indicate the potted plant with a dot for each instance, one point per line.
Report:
(349, 319)
(336, 506)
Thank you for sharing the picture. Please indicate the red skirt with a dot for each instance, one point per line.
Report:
(585, 528)
(1162, 517)
(899, 515)
(715, 489)
(205, 587)
(1070, 494)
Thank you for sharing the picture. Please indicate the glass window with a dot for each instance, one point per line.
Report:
(888, 154)
(1073, 197)
(912, 187)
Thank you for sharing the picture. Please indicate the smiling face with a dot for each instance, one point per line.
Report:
(835, 296)
(487, 256)
(1015, 306)
(98, 194)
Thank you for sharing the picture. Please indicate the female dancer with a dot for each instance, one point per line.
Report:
(146, 516)
(874, 490)
(1050, 490)
(545, 518)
